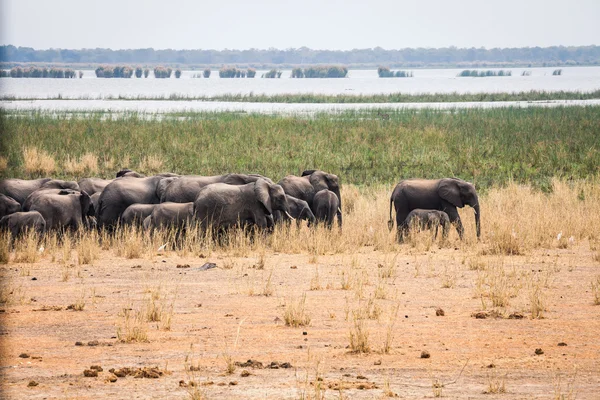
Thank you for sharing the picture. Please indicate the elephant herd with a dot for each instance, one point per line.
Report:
(169, 200)
(218, 202)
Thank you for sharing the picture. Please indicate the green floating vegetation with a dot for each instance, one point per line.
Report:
(114, 71)
(38, 72)
(488, 147)
(320, 71)
(384, 72)
(481, 74)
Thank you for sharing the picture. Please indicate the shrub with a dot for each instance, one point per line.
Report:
(557, 72)
(297, 73)
(138, 72)
(227, 72)
(272, 74)
(251, 73)
(384, 72)
(80, 74)
(39, 72)
(117, 71)
(333, 71)
(207, 73)
(178, 73)
(480, 74)
(4, 74)
(146, 72)
(162, 72)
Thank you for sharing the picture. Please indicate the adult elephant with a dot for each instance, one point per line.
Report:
(299, 210)
(187, 187)
(125, 191)
(8, 205)
(326, 204)
(93, 185)
(312, 181)
(445, 194)
(223, 206)
(20, 189)
(61, 208)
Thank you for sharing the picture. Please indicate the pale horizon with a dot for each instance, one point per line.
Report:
(318, 25)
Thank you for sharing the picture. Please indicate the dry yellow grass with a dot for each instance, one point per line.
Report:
(151, 164)
(38, 162)
(84, 165)
(3, 163)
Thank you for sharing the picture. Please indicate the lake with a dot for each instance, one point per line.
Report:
(358, 82)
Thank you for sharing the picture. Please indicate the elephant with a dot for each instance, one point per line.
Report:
(93, 185)
(306, 186)
(299, 210)
(223, 206)
(445, 194)
(136, 213)
(125, 191)
(326, 205)
(61, 208)
(187, 187)
(427, 219)
(170, 215)
(94, 199)
(129, 173)
(8, 205)
(19, 189)
(22, 221)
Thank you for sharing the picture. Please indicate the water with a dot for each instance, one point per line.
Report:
(357, 82)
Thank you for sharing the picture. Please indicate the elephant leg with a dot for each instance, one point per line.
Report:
(455, 219)
(401, 225)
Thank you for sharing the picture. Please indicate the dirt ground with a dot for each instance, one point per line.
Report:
(209, 319)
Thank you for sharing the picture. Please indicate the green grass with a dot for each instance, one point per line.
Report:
(489, 147)
(533, 95)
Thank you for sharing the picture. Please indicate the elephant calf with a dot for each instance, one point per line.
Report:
(326, 206)
(170, 215)
(8, 205)
(299, 210)
(136, 214)
(20, 222)
(427, 219)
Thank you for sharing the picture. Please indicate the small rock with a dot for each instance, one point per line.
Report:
(439, 312)
(112, 378)
(233, 383)
(78, 344)
(293, 267)
(562, 344)
(425, 354)
(245, 373)
(539, 352)
(516, 315)
(24, 355)
(285, 365)
(492, 365)
(32, 384)
(377, 362)
(305, 333)
(90, 373)
(406, 316)
(182, 266)
(93, 343)
(97, 368)
(480, 315)
(361, 377)
(34, 279)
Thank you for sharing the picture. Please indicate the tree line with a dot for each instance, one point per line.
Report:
(417, 57)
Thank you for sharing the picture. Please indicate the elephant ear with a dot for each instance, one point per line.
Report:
(449, 191)
(308, 172)
(87, 209)
(318, 181)
(261, 190)
(162, 185)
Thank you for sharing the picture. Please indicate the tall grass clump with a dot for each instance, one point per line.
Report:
(480, 74)
(4, 73)
(117, 71)
(138, 72)
(162, 72)
(526, 73)
(272, 74)
(384, 72)
(206, 72)
(251, 73)
(146, 72)
(41, 72)
(38, 162)
(557, 72)
(297, 73)
(331, 71)
(178, 73)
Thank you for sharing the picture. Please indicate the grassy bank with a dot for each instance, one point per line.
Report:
(489, 147)
(533, 95)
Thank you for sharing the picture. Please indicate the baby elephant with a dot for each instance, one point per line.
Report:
(427, 219)
(299, 210)
(326, 206)
(20, 222)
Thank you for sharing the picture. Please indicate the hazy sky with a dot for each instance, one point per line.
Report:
(318, 24)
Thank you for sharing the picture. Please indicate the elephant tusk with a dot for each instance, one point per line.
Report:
(289, 216)
(339, 210)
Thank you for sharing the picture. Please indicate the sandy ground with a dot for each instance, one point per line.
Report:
(222, 313)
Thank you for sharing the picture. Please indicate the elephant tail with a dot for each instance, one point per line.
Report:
(391, 221)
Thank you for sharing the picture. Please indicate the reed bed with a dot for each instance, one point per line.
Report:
(455, 97)
(487, 147)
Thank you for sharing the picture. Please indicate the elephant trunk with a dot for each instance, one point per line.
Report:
(477, 219)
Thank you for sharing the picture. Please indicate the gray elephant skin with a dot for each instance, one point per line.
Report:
(223, 206)
(20, 222)
(312, 181)
(61, 208)
(427, 219)
(20, 189)
(8, 205)
(445, 194)
(135, 214)
(93, 185)
(187, 187)
(170, 215)
(125, 191)
(326, 205)
(299, 210)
